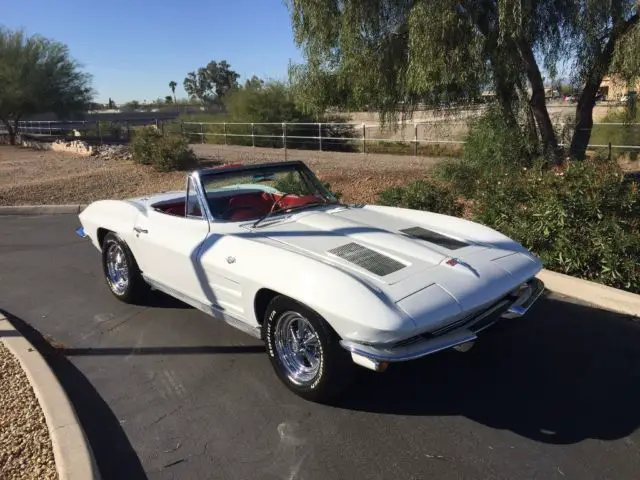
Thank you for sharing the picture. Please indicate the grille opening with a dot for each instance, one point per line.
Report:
(368, 259)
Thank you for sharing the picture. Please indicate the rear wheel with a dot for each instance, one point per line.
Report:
(121, 271)
(304, 351)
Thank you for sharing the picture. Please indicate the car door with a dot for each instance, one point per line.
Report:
(168, 246)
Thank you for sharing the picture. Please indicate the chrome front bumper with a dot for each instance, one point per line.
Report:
(462, 332)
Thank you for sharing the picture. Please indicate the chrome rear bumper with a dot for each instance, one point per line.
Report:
(462, 332)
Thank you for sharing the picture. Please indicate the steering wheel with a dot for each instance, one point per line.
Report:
(231, 210)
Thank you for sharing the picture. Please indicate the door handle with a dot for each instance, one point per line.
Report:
(140, 230)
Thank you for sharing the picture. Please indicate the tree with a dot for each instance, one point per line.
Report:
(211, 83)
(607, 35)
(131, 106)
(37, 75)
(172, 86)
(168, 99)
(394, 55)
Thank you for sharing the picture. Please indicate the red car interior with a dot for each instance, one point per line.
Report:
(243, 207)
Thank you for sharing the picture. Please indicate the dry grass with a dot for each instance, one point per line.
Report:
(29, 177)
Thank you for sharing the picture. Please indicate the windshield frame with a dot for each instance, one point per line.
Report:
(296, 166)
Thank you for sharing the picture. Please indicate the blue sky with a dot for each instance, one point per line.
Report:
(133, 48)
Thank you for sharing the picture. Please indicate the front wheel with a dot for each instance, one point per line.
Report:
(121, 270)
(304, 351)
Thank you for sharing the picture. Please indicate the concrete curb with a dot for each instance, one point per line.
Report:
(72, 453)
(596, 294)
(41, 209)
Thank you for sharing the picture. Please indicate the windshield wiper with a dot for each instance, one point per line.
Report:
(291, 209)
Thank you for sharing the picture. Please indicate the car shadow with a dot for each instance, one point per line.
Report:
(113, 453)
(560, 375)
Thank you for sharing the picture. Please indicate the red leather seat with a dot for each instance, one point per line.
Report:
(291, 201)
(249, 205)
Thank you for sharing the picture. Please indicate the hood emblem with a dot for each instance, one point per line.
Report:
(452, 262)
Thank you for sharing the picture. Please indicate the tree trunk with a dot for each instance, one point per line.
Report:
(584, 109)
(584, 119)
(538, 104)
(11, 130)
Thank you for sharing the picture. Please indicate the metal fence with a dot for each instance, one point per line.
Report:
(426, 137)
(372, 137)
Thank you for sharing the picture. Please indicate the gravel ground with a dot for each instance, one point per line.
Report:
(25, 446)
(45, 177)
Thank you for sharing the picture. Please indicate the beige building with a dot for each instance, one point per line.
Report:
(613, 88)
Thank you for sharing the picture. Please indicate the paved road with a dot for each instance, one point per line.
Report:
(165, 392)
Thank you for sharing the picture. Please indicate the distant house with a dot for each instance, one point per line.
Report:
(614, 88)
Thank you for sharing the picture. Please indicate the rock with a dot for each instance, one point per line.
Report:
(78, 147)
(112, 152)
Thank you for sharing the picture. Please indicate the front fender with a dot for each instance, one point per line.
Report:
(115, 215)
(356, 309)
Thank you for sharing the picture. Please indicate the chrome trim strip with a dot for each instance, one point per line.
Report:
(209, 309)
(410, 352)
(197, 181)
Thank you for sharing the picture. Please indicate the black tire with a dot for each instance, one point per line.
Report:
(136, 288)
(335, 370)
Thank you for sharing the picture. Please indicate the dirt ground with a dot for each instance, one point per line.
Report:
(30, 177)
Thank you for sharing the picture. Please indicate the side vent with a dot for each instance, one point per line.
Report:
(434, 237)
(368, 259)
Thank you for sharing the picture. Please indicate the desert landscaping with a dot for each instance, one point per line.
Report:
(45, 177)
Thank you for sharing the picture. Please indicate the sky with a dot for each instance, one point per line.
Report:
(134, 48)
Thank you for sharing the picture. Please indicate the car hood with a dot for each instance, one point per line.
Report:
(404, 252)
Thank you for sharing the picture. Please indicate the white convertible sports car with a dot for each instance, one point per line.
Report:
(271, 251)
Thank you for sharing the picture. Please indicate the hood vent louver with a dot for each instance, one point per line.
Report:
(368, 259)
(434, 237)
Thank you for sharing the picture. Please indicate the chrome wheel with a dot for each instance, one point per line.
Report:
(298, 347)
(117, 269)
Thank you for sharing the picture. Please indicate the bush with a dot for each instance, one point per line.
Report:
(165, 153)
(582, 220)
(493, 147)
(422, 195)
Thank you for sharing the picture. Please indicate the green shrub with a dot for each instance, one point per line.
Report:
(165, 153)
(493, 147)
(583, 220)
(422, 195)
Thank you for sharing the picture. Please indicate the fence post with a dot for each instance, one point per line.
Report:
(415, 139)
(364, 138)
(99, 131)
(128, 130)
(320, 136)
(201, 132)
(50, 128)
(284, 138)
(225, 133)
(610, 153)
(253, 135)
(162, 127)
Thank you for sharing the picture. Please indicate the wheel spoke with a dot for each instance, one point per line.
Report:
(296, 343)
(302, 330)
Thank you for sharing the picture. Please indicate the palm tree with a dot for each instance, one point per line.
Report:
(172, 86)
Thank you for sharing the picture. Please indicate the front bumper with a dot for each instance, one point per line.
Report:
(461, 332)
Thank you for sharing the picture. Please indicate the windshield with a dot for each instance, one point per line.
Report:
(251, 194)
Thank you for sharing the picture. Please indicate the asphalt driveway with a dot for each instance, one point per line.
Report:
(167, 392)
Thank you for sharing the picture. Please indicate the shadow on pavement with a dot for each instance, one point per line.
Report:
(112, 450)
(207, 349)
(562, 374)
